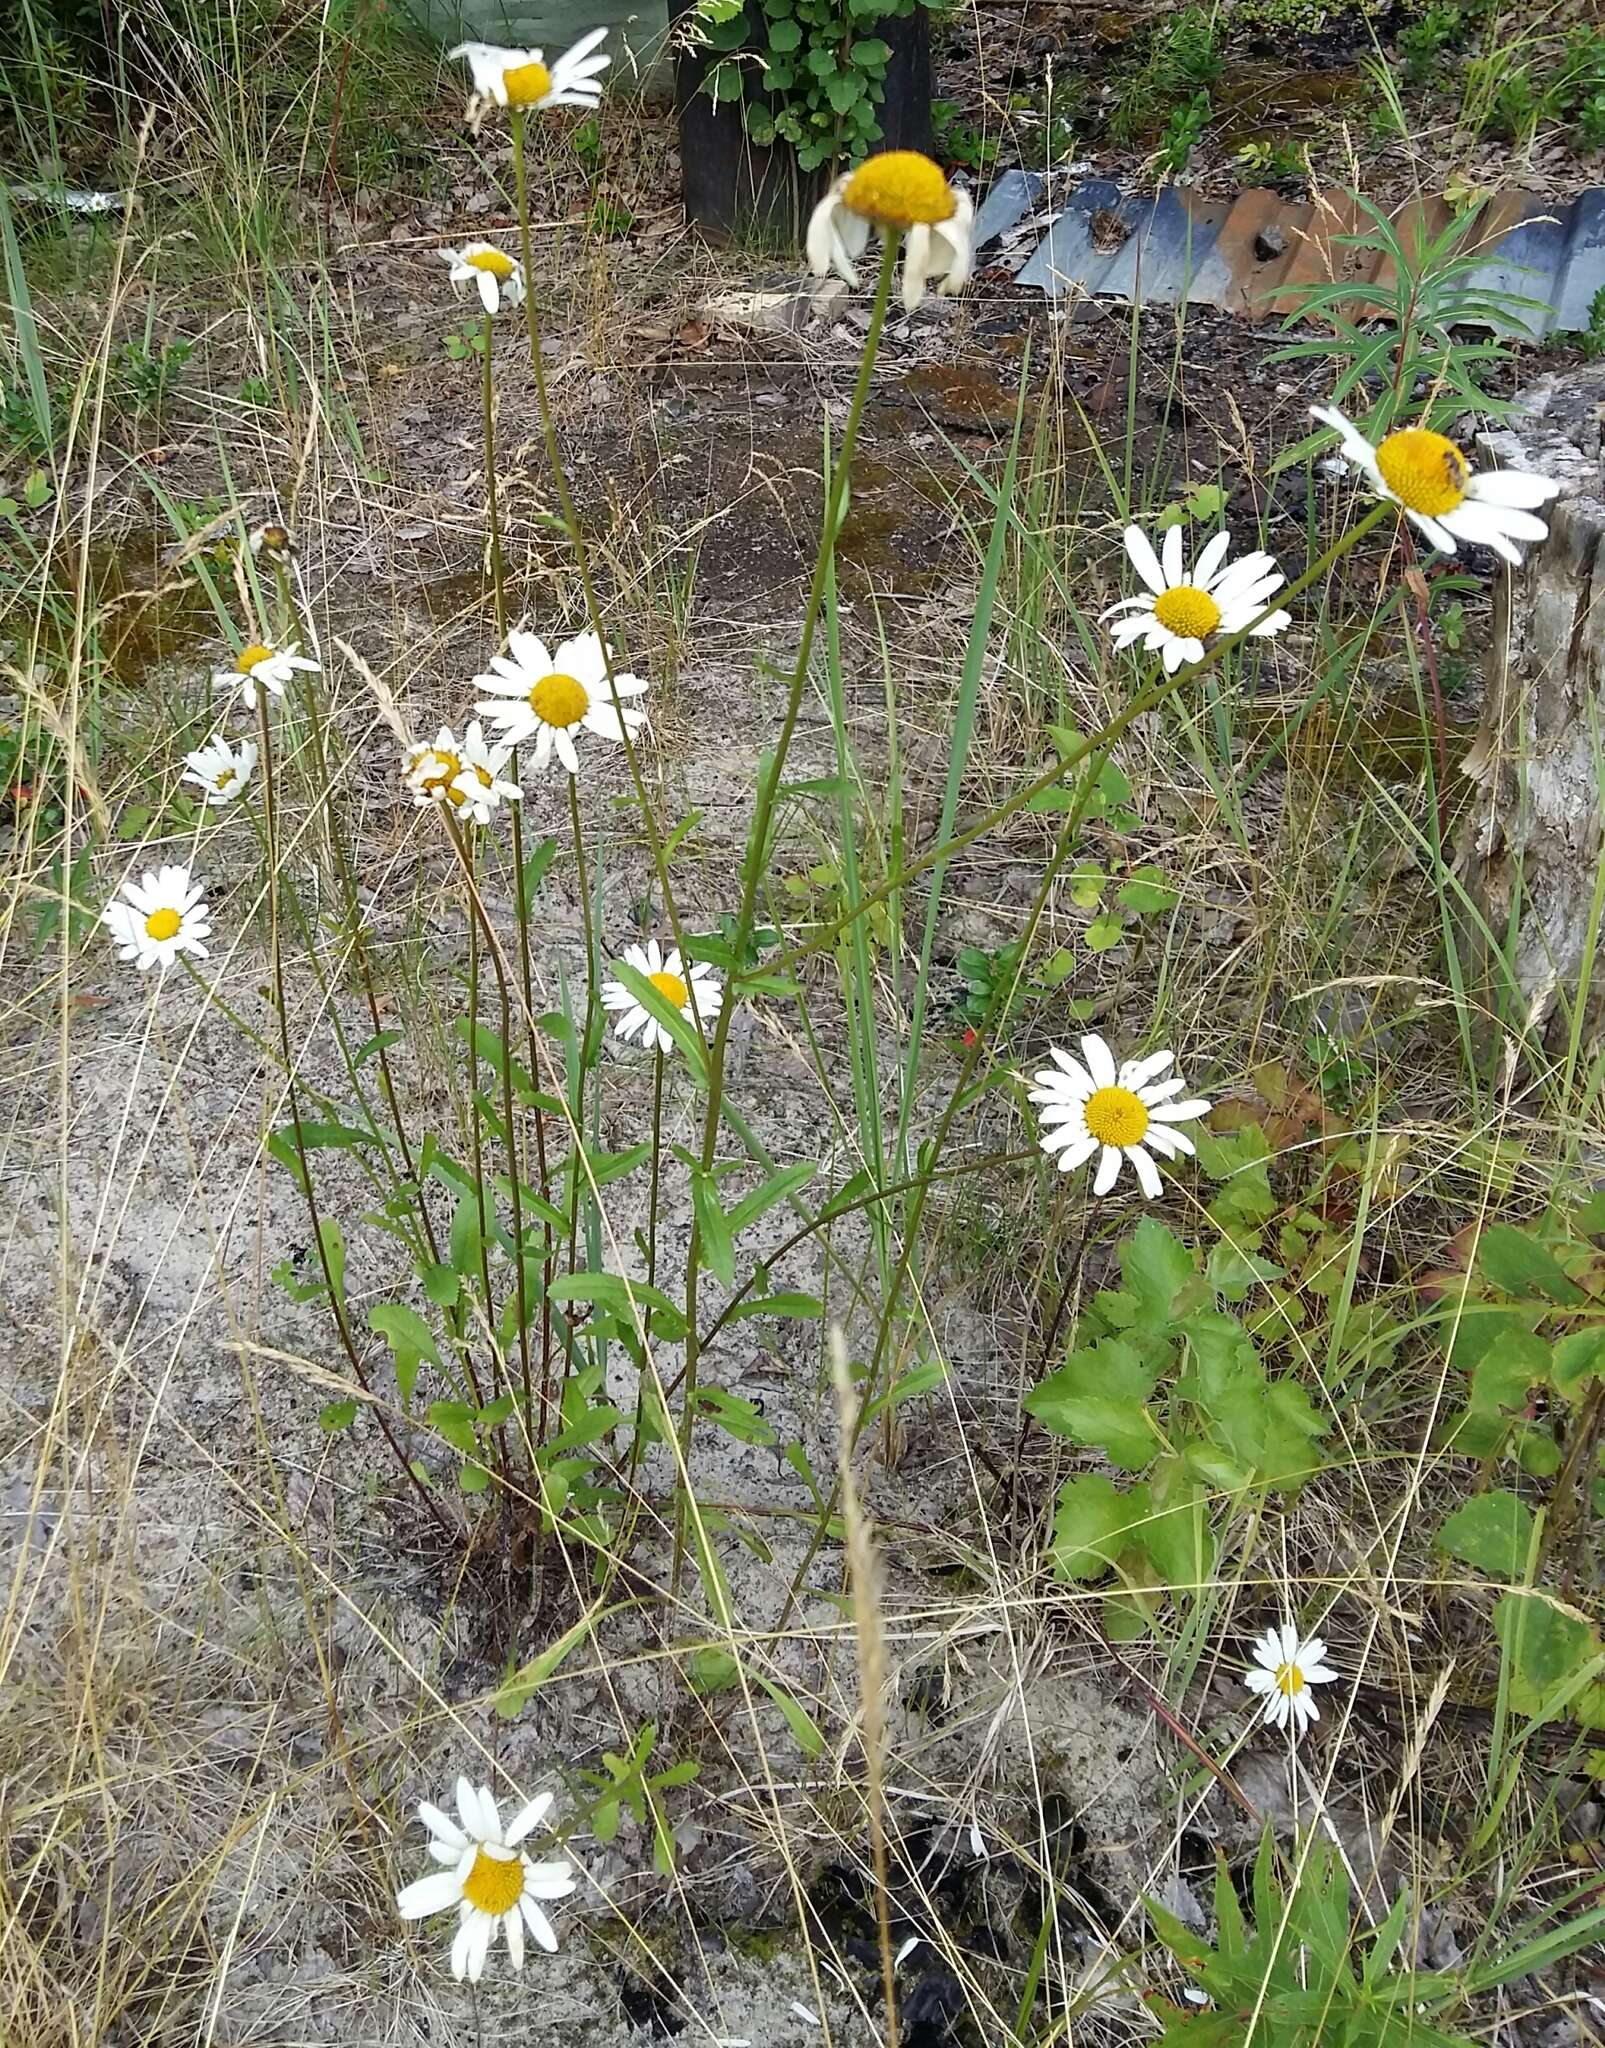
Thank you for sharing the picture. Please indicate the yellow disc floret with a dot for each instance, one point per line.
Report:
(252, 657)
(223, 778)
(1187, 611)
(1426, 472)
(437, 770)
(1115, 1116)
(900, 189)
(1289, 1680)
(494, 1884)
(672, 989)
(164, 923)
(559, 700)
(493, 260)
(527, 84)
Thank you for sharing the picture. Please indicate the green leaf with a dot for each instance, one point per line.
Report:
(711, 1669)
(1518, 1265)
(381, 1041)
(1157, 1272)
(737, 1417)
(1105, 932)
(780, 1187)
(410, 1339)
(332, 1238)
(1576, 1360)
(454, 1420)
(472, 1478)
(1146, 892)
(1093, 1524)
(535, 867)
(1178, 1537)
(784, 35)
(1550, 1646)
(441, 1285)
(845, 89)
(337, 1415)
(1234, 1272)
(465, 1238)
(870, 50)
(1493, 1531)
(521, 1685)
(804, 1729)
(716, 1245)
(1096, 1398)
(803, 1307)
(609, 1293)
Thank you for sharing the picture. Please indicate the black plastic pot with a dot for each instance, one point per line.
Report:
(735, 189)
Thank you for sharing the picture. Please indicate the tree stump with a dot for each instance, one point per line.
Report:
(1531, 846)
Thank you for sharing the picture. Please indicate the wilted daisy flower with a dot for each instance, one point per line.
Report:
(898, 191)
(271, 667)
(479, 785)
(522, 78)
(674, 981)
(1180, 610)
(431, 772)
(488, 1881)
(490, 270)
(155, 920)
(220, 770)
(272, 542)
(1285, 1669)
(1125, 1112)
(547, 698)
(1428, 476)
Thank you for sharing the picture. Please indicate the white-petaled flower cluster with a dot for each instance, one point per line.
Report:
(1439, 491)
(1182, 609)
(545, 698)
(510, 77)
(896, 192)
(1124, 1113)
(261, 666)
(487, 270)
(156, 919)
(220, 770)
(1285, 1668)
(675, 982)
(488, 1881)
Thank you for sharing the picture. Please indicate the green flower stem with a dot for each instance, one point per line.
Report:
(281, 1010)
(758, 841)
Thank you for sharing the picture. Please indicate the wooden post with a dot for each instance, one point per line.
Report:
(1531, 848)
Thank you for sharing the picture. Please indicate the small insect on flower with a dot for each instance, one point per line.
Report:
(272, 543)
(264, 667)
(479, 786)
(220, 770)
(675, 982)
(431, 772)
(506, 77)
(492, 273)
(1439, 491)
(547, 698)
(156, 919)
(1180, 609)
(897, 192)
(1124, 1112)
(1285, 1668)
(489, 1881)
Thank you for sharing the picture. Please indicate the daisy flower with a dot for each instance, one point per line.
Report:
(479, 786)
(1426, 474)
(546, 698)
(273, 542)
(269, 667)
(494, 274)
(674, 981)
(1181, 609)
(488, 1880)
(155, 920)
(897, 192)
(431, 772)
(1285, 1669)
(219, 769)
(523, 78)
(1125, 1112)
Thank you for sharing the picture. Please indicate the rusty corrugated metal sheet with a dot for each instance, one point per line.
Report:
(1246, 255)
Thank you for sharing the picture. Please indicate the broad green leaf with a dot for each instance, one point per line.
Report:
(1146, 892)
(609, 1292)
(711, 1669)
(804, 1307)
(1577, 1360)
(1493, 1531)
(1550, 1647)
(779, 1187)
(1093, 1524)
(1096, 1398)
(717, 1246)
(1159, 1281)
(1519, 1265)
(455, 1422)
(410, 1339)
(337, 1415)
(737, 1417)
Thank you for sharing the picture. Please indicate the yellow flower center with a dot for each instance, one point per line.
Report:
(1425, 471)
(252, 657)
(164, 923)
(440, 772)
(527, 84)
(671, 988)
(275, 540)
(900, 189)
(1289, 1680)
(1187, 611)
(1115, 1116)
(224, 777)
(489, 259)
(559, 700)
(494, 1884)
(486, 779)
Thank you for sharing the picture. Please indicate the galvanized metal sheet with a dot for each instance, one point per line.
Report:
(1252, 254)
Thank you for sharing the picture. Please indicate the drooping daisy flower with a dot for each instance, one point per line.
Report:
(1179, 610)
(522, 78)
(490, 270)
(489, 1881)
(269, 667)
(674, 981)
(899, 191)
(221, 771)
(272, 541)
(156, 919)
(479, 786)
(1427, 475)
(1125, 1112)
(546, 698)
(431, 772)
(1285, 1669)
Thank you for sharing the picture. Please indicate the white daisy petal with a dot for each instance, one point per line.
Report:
(431, 1894)
(1143, 559)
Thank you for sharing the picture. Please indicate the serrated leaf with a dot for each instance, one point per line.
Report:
(1096, 1398)
(1093, 1524)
